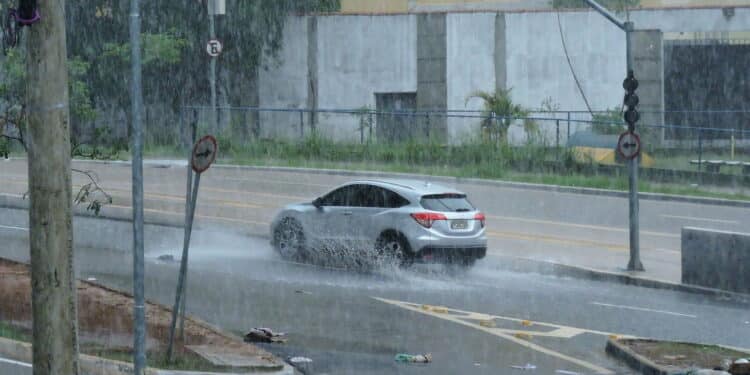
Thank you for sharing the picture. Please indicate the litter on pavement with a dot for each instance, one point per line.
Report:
(265, 335)
(566, 372)
(410, 358)
(302, 364)
(302, 292)
(527, 366)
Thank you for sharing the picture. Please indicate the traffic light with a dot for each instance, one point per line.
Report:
(630, 84)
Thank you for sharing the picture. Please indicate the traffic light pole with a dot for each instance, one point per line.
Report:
(635, 254)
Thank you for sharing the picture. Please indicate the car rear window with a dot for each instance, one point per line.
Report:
(446, 202)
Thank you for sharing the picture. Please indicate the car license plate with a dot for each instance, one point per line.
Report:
(459, 224)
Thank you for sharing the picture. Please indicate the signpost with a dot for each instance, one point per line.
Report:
(631, 117)
(214, 47)
(629, 145)
(203, 155)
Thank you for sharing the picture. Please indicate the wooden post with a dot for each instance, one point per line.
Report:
(53, 292)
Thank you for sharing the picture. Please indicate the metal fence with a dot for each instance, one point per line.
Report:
(244, 125)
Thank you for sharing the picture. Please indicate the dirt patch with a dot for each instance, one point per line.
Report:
(683, 355)
(105, 316)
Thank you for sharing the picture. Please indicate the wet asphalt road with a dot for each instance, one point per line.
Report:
(13, 368)
(332, 316)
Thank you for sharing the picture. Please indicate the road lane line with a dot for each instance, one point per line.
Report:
(643, 309)
(14, 228)
(583, 226)
(700, 219)
(567, 241)
(497, 332)
(17, 363)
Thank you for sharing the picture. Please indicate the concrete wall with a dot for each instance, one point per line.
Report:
(471, 68)
(716, 259)
(284, 82)
(347, 59)
(359, 56)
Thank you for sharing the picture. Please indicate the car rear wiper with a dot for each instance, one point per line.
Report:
(462, 210)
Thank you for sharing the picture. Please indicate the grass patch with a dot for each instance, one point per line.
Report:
(683, 355)
(529, 163)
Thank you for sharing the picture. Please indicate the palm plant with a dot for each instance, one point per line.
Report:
(499, 112)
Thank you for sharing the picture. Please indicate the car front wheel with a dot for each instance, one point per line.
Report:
(289, 239)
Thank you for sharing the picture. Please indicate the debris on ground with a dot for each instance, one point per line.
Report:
(410, 358)
(166, 258)
(302, 364)
(91, 279)
(566, 372)
(302, 292)
(522, 336)
(527, 323)
(265, 335)
(527, 366)
(670, 357)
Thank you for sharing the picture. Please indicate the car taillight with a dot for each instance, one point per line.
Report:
(480, 217)
(426, 219)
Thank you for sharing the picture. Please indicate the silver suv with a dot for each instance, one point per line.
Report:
(398, 220)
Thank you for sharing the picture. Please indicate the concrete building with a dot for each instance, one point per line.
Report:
(404, 6)
(436, 60)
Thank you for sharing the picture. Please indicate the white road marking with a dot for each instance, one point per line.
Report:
(701, 219)
(462, 316)
(643, 309)
(17, 363)
(14, 228)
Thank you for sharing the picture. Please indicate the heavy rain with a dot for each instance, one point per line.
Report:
(375, 187)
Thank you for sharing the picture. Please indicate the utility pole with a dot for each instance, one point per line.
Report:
(53, 289)
(634, 264)
(139, 308)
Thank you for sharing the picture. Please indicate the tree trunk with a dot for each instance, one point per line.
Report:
(55, 329)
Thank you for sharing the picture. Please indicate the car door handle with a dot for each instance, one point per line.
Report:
(347, 213)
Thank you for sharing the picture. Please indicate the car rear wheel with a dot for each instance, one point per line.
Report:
(289, 239)
(393, 249)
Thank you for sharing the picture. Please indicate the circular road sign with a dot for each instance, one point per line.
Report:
(214, 47)
(204, 153)
(629, 145)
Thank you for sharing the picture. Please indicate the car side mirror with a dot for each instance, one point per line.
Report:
(318, 203)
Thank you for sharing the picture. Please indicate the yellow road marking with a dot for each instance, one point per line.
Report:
(583, 226)
(567, 241)
(465, 318)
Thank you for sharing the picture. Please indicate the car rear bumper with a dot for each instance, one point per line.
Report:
(450, 254)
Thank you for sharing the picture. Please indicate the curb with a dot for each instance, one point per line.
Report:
(634, 360)
(559, 269)
(642, 364)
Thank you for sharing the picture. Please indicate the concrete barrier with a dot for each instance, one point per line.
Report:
(716, 259)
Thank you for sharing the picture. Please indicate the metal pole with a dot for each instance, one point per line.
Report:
(188, 193)
(567, 139)
(634, 264)
(139, 309)
(557, 140)
(214, 114)
(183, 265)
(700, 149)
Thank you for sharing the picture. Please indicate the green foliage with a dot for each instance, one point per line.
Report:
(609, 122)
(81, 107)
(157, 49)
(500, 112)
(616, 5)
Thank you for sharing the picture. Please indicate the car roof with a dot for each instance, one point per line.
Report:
(409, 187)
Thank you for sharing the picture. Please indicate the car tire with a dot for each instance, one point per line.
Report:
(289, 239)
(394, 249)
